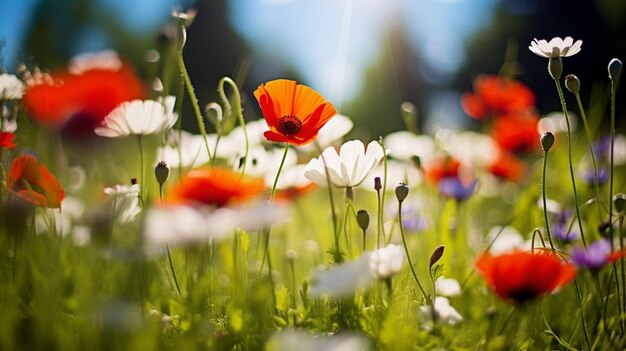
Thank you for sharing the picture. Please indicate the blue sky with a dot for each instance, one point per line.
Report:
(331, 42)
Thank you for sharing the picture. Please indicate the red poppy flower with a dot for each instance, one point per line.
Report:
(6, 140)
(214, 186)
(77, 103)
(442, 168)
(508, 167)
(517, 132)
(32, 181)
(294, 113)
(495, 96)
(524, 276)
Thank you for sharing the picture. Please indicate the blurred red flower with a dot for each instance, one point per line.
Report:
(441, 168)
(507, 166)
(33, 182)
(519, 277)
(294, 112)
(517, 132)
(495, 96)
(214, 186)
(77, 103)
(6, 140)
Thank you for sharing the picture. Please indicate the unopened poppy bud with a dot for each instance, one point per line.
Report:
(615, 69)
(377, 184)
(417, 161)
(133, 181)
(619, 200)
(436, 255)
(572, 83)
(402, 191)
(555, 67)
(547, 140)
(161, 172)
(363, 219)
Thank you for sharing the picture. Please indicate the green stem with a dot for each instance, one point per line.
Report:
(612, 162)
(571, 166)
(379, 218)
(582, 314)
(382, 202)
(220, 89)
(142, 184)
(194, 101)
(337, 254)
(593, 156)
(621, 247)
(169, 254)
(543, 197)
(408, 256)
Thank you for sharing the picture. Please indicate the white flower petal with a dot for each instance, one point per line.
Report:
(139, 117)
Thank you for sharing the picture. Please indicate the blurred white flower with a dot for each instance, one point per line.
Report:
(553, 206)
(263, 163)
(386, 262)
(184, 225)
(403, 145)
(234, 143)
(397, 172)
(343, 279)
(125, 202)
(444, 312)
(554, 122)
(60, 221)
(139, 117)
(192, 150)
(556, 47)
(105, 60)
(292, 177)
(508, 239)
(475, 149)
(348, 168)
(335, 129)
(291, 339)
(447, 287)
(11, 88)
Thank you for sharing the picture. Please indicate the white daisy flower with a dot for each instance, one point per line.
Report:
(343, 279)
(348, 168)
(139, 117)
(11, 88)
(386, 262)
(444, 312)
(105, 60)
(447, 287)
(556, 47)
(508, 239)
(263, 163)
(125, 199)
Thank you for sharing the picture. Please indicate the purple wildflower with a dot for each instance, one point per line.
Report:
(596, 256)
(455, 188)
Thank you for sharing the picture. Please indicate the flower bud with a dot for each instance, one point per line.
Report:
(417, 161)
(363, 219)
(619, 200)
(555, 67)
(377, 184)
(615, 69)
(436, 255)
(572, 83)
(402, 191)
(161, 172)
(547, 140)
(133, 181)
(291, 255)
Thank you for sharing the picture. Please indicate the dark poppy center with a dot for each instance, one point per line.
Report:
(523, 295)
(289, 125)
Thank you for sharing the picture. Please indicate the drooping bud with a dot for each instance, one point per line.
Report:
(555, 67)
(363, 219)
(619, 200)
(547, 140)
(615, 69)
(377, 184)
(436, 255)
(161, 172)
(572, 83)
(402, 191)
